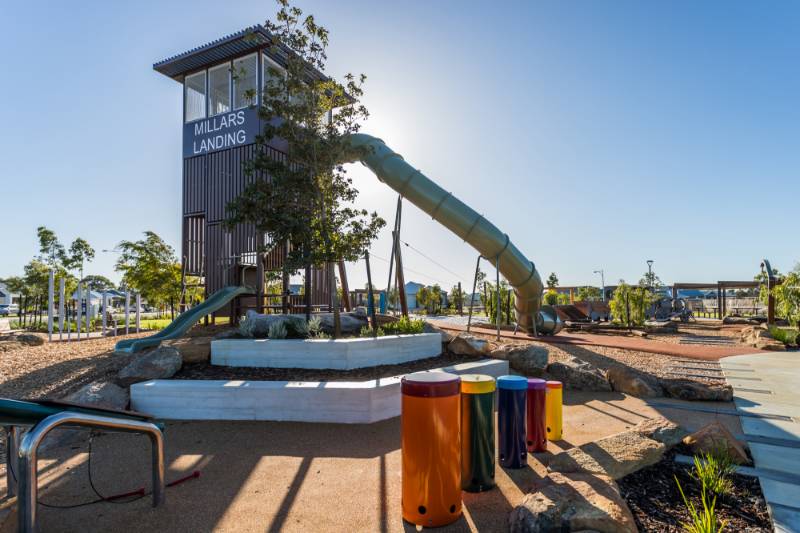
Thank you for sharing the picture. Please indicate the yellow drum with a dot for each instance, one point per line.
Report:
(430, 428)
(553, 402)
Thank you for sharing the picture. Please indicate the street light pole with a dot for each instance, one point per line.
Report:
(602, 283)
(650, 273)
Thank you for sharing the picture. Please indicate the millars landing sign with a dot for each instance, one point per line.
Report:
(221, 132)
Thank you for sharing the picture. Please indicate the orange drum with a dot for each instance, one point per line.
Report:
(431, 448)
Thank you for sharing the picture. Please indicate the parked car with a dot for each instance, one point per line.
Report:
(5, 310)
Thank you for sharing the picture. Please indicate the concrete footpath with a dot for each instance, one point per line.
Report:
(767, 395)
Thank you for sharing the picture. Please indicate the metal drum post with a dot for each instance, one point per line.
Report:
(536, 427)
(477, 432)
(553, 400)
(431, 448)
(511, 398)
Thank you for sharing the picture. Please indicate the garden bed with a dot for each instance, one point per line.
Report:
(340, 354)
(656, 503)
(206, 371)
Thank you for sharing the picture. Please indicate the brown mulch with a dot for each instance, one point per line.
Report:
(656, 503)
(58, 368)
(207, 371)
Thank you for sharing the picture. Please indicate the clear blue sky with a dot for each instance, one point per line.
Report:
(598, 134)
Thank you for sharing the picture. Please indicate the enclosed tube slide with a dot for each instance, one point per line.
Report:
(494, 245)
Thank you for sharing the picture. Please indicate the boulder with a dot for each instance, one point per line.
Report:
(656, 326)
(712, 439)
(430, 328)
(28, 339)
(527, 359)
(465, 344)
(192, 349)
(739, 320)
(760, 337)
(573, 502)
(615, 456)
(7, 345)
(160, 363)
(257, 326)
(231, 333)
(383, 318)
(661, 430)
(351, 323)
(629, 381)
(579, 375)
(687, 389)
(101, 394)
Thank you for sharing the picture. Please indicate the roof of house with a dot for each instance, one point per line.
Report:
(233, 45)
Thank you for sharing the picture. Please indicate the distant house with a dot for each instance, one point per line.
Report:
(6, 298)
(412, 288)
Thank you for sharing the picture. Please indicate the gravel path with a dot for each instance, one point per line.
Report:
(56, 369)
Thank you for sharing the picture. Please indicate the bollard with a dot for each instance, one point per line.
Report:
(431, 448)
(477, 432)
(511, 393)
(535, 416)
(553, 400)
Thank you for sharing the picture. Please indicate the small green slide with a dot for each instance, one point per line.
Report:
(185, 320)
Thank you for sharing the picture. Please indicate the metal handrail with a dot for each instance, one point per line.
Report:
(27, 498)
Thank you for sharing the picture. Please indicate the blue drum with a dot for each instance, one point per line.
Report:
(511, 399)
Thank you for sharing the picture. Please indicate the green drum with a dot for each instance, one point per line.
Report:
(477, 432)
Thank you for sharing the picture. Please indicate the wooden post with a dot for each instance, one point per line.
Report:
(308, 292)
(719, 302)
(460, 301)
(401, 281)
(508, 306)
(259, 283)
(371, 297)
(474, 286)
(499, 311)
(345, 287)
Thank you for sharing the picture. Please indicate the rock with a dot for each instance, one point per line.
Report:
(760, 337)
(573, 502)
(687, 389)
(661, 430)
(739, 320)
(161, 363)
(629, 381)
(430, 328)
(192, 349)
(257, 326)
(229, 334)
(656, 326)
(527, 359)
(615, 456)
(7, 346)
(713, 438)
(383, 318)
(28, 339)
(351, 323)
(465, 344)
(578, 375)
(101, 394)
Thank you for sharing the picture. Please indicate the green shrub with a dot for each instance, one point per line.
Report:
(629, 304)
(786, 336)
(713, 470)
(404, 326)
(277, 330)
(314, 327)
(366, 331)
(704, 519)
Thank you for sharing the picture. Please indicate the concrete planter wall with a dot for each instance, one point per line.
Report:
(348, 402)
(340, 354)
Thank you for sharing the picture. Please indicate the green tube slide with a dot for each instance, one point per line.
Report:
(182, 324)
(494, 245)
